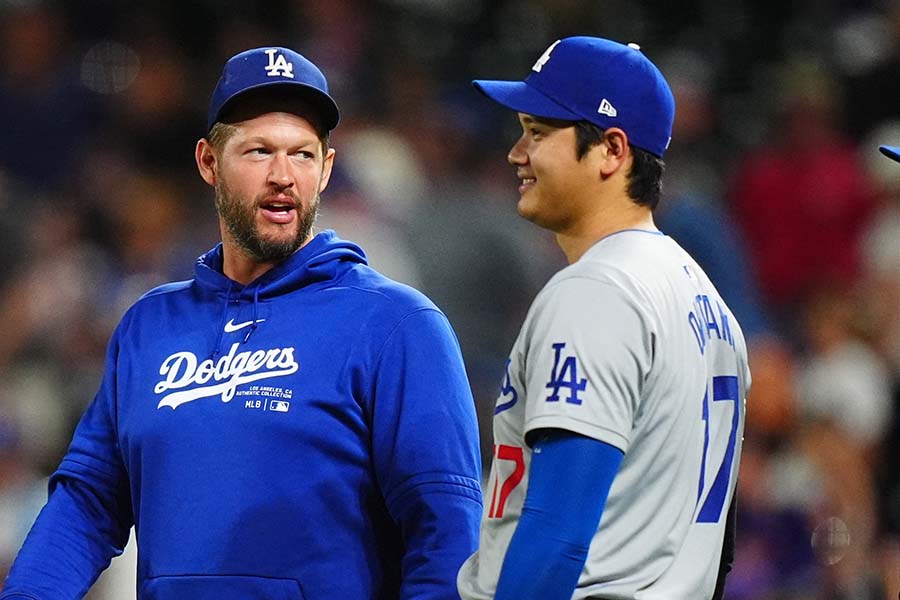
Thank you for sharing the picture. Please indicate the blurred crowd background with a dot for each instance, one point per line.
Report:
(773, 182)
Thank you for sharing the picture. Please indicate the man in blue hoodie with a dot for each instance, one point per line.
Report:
(287, 424)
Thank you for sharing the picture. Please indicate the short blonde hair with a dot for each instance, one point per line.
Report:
(220, 134)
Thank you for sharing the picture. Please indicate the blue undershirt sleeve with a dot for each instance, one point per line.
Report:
(568, 484)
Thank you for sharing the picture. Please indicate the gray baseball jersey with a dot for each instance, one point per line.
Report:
(631, 345)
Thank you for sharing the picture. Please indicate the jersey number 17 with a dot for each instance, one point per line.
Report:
(724, 388)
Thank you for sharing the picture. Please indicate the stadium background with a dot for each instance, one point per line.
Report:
(773, 182)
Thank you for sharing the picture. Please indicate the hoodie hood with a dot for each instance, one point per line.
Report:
(325, 258)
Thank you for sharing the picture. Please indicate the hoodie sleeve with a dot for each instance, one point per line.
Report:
(426, 452)
(86, 520)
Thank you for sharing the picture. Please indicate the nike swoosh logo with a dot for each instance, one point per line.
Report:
(231, 327)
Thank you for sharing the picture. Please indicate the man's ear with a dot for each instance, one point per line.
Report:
(615, 151)
(327, 165)
(207, 162)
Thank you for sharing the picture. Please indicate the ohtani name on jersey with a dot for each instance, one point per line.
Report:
(704, 323)
(183, 370)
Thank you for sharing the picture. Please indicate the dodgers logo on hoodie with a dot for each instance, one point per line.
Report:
(195, 379)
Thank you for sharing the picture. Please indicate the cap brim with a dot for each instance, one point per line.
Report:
(323, 103)
(892, 152)
(521, 97)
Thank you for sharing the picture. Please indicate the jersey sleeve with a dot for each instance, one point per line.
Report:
(87, 518)
(569, 481)
(426, 452)
(588, 352)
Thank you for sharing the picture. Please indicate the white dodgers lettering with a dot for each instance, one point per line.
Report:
(182, 370)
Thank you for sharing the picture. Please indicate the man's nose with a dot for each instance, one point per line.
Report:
(280, 171)
(517, 155)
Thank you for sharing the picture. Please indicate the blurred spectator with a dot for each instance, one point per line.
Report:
(378, 183)
(773, 556)
(881, 291)
(802, 199)
(844, 518)
(690, 210)
(12, 247)
(47, 113)
(881, 247)
(842, 380)
(153, 120)
(867, 48)
(22, 492)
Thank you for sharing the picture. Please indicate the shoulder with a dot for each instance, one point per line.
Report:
(390, 317)
(369, 287)
(620, 274)
(169, 292)
(150, 303)
(583, 284)
(168, 288)
(380, 309)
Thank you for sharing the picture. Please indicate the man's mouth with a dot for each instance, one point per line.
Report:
(278, 210)
(276, 207)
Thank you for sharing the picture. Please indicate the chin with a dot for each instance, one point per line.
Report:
(529, 212)
(542, 220)
(524, 209)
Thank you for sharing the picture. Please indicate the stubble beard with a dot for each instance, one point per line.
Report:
(239, 217)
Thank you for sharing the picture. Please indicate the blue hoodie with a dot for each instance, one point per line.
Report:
(309, 435)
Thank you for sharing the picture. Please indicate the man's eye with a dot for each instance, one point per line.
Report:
(258, 151)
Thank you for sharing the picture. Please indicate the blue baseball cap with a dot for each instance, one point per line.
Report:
(891, 152)
(596, 80)
(268, 67)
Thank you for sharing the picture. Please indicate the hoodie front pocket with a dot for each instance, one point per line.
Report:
(219, 587)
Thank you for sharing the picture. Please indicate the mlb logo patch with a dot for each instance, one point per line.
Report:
(279, 406)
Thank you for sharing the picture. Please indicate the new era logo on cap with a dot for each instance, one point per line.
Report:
(596, 80)
(607, 109)
(267, 67)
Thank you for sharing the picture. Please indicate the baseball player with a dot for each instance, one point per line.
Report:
(289, 423)
(618, 428)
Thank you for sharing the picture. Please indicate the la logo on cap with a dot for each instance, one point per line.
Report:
(278, 67)
(544, 57)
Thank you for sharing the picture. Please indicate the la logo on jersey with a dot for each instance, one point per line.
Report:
(278, 66)
(565, 375)
(544, 58)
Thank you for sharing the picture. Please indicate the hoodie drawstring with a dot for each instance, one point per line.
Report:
(255, 314)
(221, 334)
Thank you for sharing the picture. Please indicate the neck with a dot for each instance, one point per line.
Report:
(239, 267)
(576, 240)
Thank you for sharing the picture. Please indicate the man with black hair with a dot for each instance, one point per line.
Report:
(619, 423)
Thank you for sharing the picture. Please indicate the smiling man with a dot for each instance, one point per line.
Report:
(287, 424)
(619, 424)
